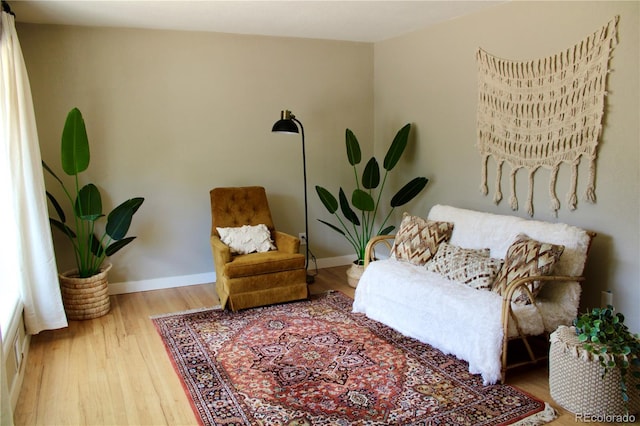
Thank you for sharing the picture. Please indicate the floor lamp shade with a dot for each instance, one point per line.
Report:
(288, 123)
(285, 124)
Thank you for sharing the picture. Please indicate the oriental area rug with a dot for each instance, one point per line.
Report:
(315, 362)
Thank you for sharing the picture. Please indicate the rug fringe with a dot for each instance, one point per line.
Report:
(545, 416)
(188, 311)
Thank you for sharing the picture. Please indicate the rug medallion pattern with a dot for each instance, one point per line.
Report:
(316, 363)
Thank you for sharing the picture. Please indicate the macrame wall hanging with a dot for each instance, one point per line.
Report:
(544, 112)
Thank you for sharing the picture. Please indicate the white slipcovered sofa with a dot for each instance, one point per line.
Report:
(467, 322)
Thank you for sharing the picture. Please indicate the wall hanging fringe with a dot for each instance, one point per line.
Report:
(544, 112)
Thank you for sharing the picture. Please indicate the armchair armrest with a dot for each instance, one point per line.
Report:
(369, 251)
(286, 243)
(221, 252)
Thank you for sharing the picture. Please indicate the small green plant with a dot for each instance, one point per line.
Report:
(90, 249)
(605, 335)
(359, 228)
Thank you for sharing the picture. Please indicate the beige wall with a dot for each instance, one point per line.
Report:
(171, 115)
(429, 78)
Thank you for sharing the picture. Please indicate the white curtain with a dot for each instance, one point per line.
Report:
(35, 267)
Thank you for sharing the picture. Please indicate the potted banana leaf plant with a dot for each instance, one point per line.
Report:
(357, 221)
(84, 289)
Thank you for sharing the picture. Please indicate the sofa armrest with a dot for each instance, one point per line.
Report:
(369, 251)
(286, 243)
(507, 312)
(507, 296)
(221, 252)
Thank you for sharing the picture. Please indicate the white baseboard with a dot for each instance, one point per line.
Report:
(14, 391)
(330, 262)
(161, 283)
(15, 351)
(194, 279)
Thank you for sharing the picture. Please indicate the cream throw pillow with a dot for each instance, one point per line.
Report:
(418, 239)
(527, 257)
(472, 267)
(247, 239)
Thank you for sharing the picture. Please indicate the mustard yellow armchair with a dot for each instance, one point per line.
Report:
(254, 279)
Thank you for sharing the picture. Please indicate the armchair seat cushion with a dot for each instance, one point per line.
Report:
(246, 265)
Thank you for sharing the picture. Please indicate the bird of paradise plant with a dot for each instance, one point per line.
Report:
(358, 228)
(90, 249)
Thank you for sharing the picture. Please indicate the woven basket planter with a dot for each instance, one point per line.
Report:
(576, 382)
(353, 274)
(85, 298)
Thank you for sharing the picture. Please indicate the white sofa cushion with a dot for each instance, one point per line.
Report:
(558, 301)
(454, 318)
(461, 320)
(474, 229)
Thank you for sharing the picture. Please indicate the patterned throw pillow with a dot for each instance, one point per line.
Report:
(417, 239)
(473, 267)
(526, 257)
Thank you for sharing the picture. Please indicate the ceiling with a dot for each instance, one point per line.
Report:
(354, 20)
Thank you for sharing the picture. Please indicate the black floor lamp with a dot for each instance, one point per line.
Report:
(287, 124)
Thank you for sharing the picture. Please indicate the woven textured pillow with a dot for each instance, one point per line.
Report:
(418, 239)
(526, 257)
(247, 239)
(472, 267)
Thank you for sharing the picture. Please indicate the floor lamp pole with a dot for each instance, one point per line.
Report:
(288, 123)
(310, 278)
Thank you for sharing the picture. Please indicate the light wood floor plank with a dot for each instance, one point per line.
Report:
(115, 370)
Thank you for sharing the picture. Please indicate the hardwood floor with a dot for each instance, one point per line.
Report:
(114, 370)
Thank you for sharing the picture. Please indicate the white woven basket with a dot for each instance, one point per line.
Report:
(576, 382)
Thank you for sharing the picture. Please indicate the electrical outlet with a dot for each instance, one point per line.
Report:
(303, 238)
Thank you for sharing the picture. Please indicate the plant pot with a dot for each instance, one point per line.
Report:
(85, 298)
(354, 273)
(576, 382)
